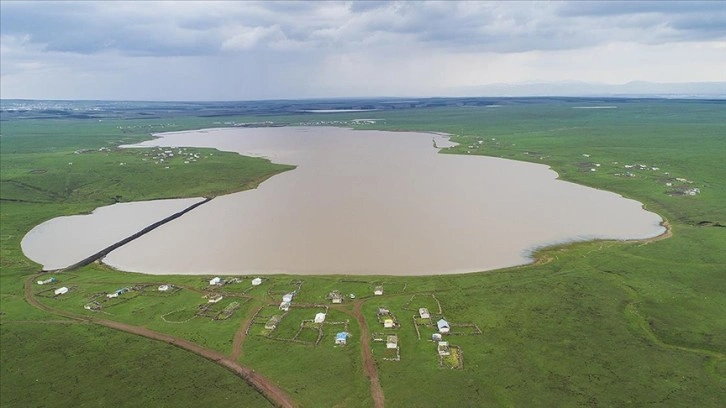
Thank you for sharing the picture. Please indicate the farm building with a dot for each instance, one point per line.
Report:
(256, 282)
(287, 297)
(163, 288)
(444, 348)
(383, 311)
(215, 281)
(424, 313)
(341, 338)
(378, 291)
(388, 323)
(319, 318)
(215, 298)
(392, 341)
(272, 323)
(61, 291)
(443, 326)
(284, 306)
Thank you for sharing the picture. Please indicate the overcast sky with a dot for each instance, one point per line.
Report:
(267, 50)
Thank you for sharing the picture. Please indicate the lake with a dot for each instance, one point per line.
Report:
(372, 202)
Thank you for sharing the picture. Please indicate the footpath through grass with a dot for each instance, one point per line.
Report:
(598, 323)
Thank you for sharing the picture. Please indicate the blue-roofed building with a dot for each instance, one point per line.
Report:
(342, 338)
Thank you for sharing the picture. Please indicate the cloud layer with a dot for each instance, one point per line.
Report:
(249, 50)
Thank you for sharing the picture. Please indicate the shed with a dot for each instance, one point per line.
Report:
(424, 313)
(319, 318)
(215, 298)
(443, 326)
(392, 341)
(61, 291)
(163, 288)
(256, 282)
(215, 281)
(272, 323)
(388, 323)
(378, 291)
(342, 338)
(284, 306)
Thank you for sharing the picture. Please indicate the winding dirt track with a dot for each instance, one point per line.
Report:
(266, 387)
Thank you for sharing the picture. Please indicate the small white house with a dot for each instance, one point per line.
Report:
(319, 318)
(378, 291)
(284, 306)
(443, 326)
(215, 299)
(256, 282)
(215, 281)
(388, 323)
(163, 288)
(424, 313)
(392, 342)
(287, 297)
(112, 295)
(61, 291)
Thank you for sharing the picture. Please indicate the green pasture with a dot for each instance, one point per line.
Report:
(590, 324)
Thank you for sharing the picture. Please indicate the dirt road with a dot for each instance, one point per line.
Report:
(367, 354)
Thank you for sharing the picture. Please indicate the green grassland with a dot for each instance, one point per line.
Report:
(590, 324)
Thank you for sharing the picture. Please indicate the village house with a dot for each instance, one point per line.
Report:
(388, 323)
(341, 338)
(392, 342)
(444, 349)
(256, 282)
(215, 299)
(319, 318)
(287, 297)
(284, 306)
(164, 288)
(424, 313)
(61, 291)
(215, 281)
(272, 323)
(443, 326)
(378, 291)
(335, 297)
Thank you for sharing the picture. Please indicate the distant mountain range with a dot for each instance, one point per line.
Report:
(636, 89)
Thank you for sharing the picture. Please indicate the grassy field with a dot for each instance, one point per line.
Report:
(591, 324)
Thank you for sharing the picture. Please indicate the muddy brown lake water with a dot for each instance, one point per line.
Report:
(373, 202)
